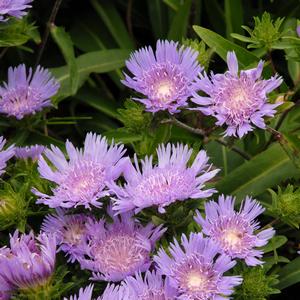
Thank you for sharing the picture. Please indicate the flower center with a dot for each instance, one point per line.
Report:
(232, 237)
(164, 90)
(196, 281)
(120, 253)
(73, 234)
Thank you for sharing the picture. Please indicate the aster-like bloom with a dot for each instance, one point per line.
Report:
(29, 262)
(237, 100)
(33, 152)
(5, 155)
(26, 94)
(14, 8)
(116, 292)
(162, 184)
(81, 180)
(194, 270)
(234, 231)
(150, 287)
(70, 231)
(165, 78)
(119, 249)
(84, 294)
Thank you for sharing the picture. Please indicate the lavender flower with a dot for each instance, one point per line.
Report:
(116, 250)
(84, 294)
(33, 152)
(298, 30)
(14, 8)
(29, 262)
(168, 181)
(234, 231)
(25, 95)
(70, 231)
(238, 101)
(166, 78)
(81, 180)
(116, 292)
(5, 155)
(194, 271)
(152, 286)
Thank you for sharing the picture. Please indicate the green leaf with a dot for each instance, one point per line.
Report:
(233, 16)
(263, 171)
(64, 42)
(222, 46)
(289, 274)
(111, 18)
(179, 24)
(291, 144)
(123, 136)
(274, 243)
(92, 62)
(157, 14)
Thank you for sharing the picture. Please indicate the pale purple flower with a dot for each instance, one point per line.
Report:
(116, 250)
(165, 78)
(150, 287)
(195, 270)
(70, 231)
(169, 181)
(29, 262)
(14, 8)
(5, 155)
(81, 179)
(25, 94)
(298, 30)
(234, 231)
(33, 152)
(238, 101)
(116, 292)
(84, 294)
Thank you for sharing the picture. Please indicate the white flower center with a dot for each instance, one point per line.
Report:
(196, 281)
(164, 90)
(232, 237)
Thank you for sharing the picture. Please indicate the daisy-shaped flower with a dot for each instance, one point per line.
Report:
(14, 8)
(166, 78)
(70, 231)
(238, 101)
(29, 262)
(234, 231)
(84, 294)
(119, 249)
(116, 292)
(27, 94)
(195, 271)
(81, 179)
(5, 155)
(162, 184)
(33, 152)
(151, 286)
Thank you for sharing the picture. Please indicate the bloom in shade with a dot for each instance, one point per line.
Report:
(162, 184)
(237, 100)
(234, 231)
(29, 262)
(165, 78)
(84, 294)
(70, 231)
(32, 152)
(194, 270)
(119, 249)
(26, 94)
(152, 286)
(81, 180)
(14, 8)
(5, 155)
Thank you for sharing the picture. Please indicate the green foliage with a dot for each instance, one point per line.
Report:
(257, 284)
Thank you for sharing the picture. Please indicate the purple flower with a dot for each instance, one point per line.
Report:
(33, 152)
(81, 180)
(162, 184)
(84, 294)
(152, 286)
(237, 100)
(5, 155)
(116, 250)
(116, 292)
(14, 8)
(194, 271)
(29, 262)
(70, 231)
(298, 30)
(165, 78)
(25, 95)
(234, 231)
